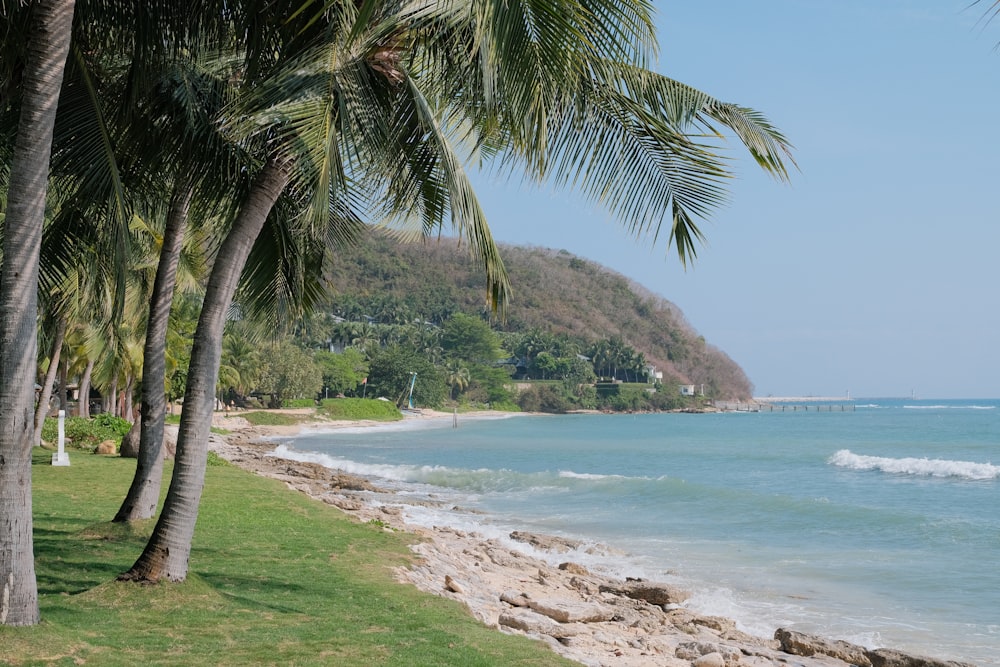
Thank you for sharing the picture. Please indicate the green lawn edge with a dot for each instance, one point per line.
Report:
(276, 578)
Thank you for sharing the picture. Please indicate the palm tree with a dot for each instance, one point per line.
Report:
(457, 377)
(366, 339)
(144, 493)
(361, 116)
(46, 52)
(37, 39)
(187, 144)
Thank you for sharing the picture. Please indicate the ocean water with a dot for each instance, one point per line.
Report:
(880, 526)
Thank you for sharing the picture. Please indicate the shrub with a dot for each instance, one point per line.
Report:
(544, 398)
(359, 408)
(87, 433)
(298, 403)
(271, 418)
(215, 460)
(505, 406)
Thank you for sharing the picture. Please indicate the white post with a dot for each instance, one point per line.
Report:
(61, 458)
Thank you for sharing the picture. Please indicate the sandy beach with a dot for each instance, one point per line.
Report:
(539, 591)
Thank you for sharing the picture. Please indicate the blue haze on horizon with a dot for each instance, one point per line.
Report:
(874, 271)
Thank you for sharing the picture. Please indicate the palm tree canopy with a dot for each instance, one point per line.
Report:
(383, 105)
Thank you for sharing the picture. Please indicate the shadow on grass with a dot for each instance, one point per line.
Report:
(263, 592)
(74, 561)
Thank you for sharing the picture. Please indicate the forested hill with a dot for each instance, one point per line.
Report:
(386, 281)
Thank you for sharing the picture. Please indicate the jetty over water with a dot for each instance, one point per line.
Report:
(789, 404)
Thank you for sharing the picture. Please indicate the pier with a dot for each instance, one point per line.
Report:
(789, 404)
(807, 407)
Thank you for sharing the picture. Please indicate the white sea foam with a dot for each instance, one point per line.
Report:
(569, 474)
(922, 467)
(949, 407)
(480, 480)
(394, 472)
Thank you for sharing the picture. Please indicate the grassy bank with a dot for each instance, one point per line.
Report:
(276, 579)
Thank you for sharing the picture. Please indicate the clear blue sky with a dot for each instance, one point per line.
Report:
(876, 270)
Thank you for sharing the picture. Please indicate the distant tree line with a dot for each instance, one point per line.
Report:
(463, 361)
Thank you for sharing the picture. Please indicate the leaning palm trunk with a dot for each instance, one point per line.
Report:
(45, 396)
(144, 494)
(166, 554)
(46, 60)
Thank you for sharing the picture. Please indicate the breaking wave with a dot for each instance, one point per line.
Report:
(921, 467)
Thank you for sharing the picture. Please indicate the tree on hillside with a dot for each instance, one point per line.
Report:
(391, 374)
(470, 338)
(457, 376)
(342, 372)
(289, 372)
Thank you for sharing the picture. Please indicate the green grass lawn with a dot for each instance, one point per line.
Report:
(276, 578)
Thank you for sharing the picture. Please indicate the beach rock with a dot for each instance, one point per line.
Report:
(504, 558)
(709, 660)
(452, 585)
(528, 621)
(583, 586)
(170, 441)
(798, 643)
(707, 654)
(653, 593)
(515, 599)
(885, 657)
(346, 504)
(545, 542)
(129, 447)
(572, 611)
(573, 568)
(106, 448)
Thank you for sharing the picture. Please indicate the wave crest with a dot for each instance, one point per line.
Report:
(922, 467)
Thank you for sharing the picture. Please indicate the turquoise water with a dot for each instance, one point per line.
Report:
(880, 525)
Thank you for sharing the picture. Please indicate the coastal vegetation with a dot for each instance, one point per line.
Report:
(403, 311)
(190, 156)
(359, 408)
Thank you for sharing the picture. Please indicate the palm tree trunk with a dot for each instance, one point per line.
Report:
(63, 391)
(169, 547)
(26, 192)
(110, 402)
(142, 497)
(42, 411)
(83, 395)
(126, 411)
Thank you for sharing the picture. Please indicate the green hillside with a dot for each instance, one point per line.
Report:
(386, 282)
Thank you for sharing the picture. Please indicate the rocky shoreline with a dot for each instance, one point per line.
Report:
(584, 616)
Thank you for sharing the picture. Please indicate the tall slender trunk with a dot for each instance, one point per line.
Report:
(27, 186)
(110, 401)
(83, 396)
(142, 497)
(126, 410)
(63, 390)
(169, 548)
(45, 397)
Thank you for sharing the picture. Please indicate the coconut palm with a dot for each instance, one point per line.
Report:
(36, 39)
(457, 377)
(46, 51)
(362, 117)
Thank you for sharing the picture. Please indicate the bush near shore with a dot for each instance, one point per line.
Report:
(359, 408)
(281, 579)
(86, 432)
